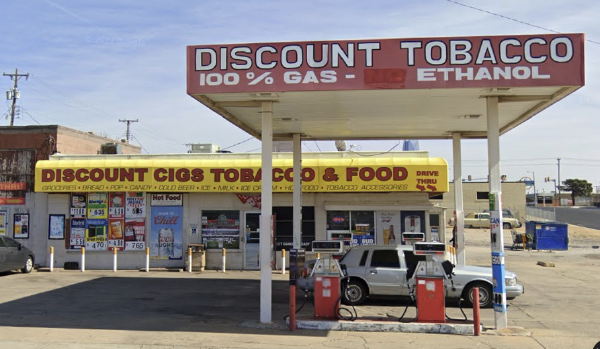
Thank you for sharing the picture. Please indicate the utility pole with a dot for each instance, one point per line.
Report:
(128, 122)
(14, 93)
(559, 182)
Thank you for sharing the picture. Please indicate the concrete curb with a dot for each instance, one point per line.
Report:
(385, 326)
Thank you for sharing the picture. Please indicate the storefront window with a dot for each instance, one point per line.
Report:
(363, 222)
(354, 227)
(284, 227)
(338, 220)
(221, 229)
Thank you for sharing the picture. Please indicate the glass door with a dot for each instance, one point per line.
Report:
(252, 240)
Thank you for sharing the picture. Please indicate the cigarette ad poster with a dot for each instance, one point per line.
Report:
(3, 222)
(77, 238)
(135, 234)
(78, 205)
(95, 235)
(98, 205)
(221, 229)
(116, 227)
(135, 205)
(166, 232)
(21, 226)
(116, 205)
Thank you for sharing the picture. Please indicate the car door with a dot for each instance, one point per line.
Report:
(384, 273)
(13, 255)
(4, 255)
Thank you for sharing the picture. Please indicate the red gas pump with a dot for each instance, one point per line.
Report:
(430, 281)
(327, 275)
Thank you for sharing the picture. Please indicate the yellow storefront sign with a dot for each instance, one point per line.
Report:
(242, 176)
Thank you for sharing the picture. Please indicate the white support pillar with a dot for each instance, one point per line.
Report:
(297, 196)
(496, 233)
(458, 199)
(266, 212)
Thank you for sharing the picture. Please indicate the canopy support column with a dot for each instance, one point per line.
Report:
(297, 196)
(266, 212)
(497, 235)
(459, 214)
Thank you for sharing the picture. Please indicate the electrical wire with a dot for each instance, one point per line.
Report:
(317, 144)
(138, 141)
(511, 19)
(244, 141)
(375, 154)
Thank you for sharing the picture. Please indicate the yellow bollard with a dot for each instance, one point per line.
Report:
(189, 260)
(82, 259)
(283, 261)
(224, 253)
(51, 258)
(147, 259)
(114, 259)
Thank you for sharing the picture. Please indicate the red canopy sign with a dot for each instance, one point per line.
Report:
(461, 62)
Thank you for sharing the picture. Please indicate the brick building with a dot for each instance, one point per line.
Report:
(21, 147)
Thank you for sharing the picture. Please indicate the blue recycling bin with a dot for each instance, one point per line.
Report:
(548, 235)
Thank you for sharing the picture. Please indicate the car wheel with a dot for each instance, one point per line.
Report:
(28, 265)
(354, 292)
(506, 226)
(485, 294)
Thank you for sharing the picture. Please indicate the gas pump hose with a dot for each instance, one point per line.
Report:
(303, 303)
(338, 310)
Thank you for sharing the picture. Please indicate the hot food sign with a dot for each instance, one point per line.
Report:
(417, 63)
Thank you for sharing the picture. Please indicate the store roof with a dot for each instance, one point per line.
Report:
(424, 88)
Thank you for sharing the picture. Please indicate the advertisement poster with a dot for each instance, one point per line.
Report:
(95, 235)
(98, 205)
(116, 205)
(413, 222)
(77, 238)
(21, 226)
(135, 234)
(57, 227)
(116, 227)
(78, 205)
(3, 222)
(166, 232)
(388, 228)
(166, 199)
(135, 205)
(222, 232)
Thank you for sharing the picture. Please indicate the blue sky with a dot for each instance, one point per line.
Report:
(93, 63)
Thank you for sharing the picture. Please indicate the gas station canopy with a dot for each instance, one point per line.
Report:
(424, 88)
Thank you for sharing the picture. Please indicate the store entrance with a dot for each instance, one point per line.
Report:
(252, 240)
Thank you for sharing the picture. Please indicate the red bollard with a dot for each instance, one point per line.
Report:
(476, 319)
(292, 308)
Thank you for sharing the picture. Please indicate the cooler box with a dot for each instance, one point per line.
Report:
(548, 235)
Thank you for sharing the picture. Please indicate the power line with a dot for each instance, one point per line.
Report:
(318, 146)
(244, 141)
(512, 19)
(128, 121)
(380, 153)
(140, 143)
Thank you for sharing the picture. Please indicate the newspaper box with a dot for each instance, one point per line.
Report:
(198, 257)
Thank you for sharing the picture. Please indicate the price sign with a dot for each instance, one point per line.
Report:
(115, 212)
(95, 245)
(77, 242)
(77, 212)
(119, 244)
(135, 246)
(96, 213)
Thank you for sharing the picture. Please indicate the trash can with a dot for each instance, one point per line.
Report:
(198, 257)
(548, 235)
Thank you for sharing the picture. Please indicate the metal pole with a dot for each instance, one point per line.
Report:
(283, 262)
(497, 235)
(458, 199)
(224, 253)
(189, 260)
(297, 195)
(559, 183)
(266, 212)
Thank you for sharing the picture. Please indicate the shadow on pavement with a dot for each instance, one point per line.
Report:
(151, 304)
